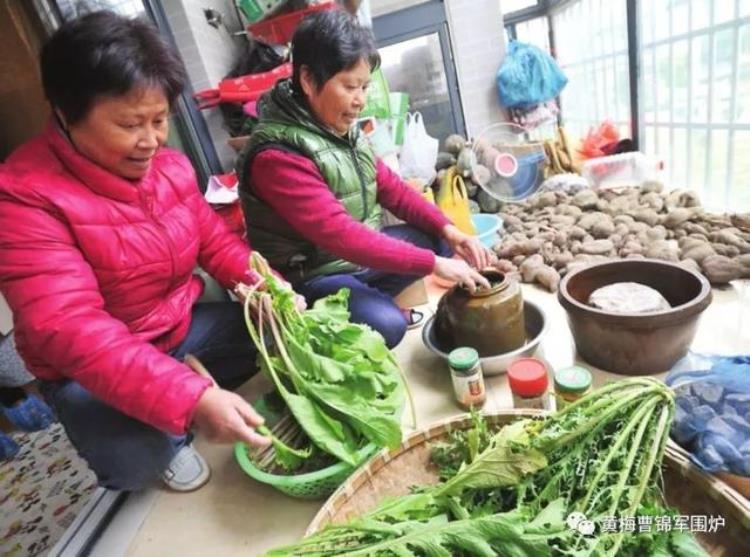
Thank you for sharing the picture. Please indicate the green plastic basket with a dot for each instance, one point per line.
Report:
(256, 10)
(313, 485)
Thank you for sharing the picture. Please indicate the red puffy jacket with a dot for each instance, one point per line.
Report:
(98, 271)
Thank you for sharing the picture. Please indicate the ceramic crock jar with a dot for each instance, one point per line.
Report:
(489, 320)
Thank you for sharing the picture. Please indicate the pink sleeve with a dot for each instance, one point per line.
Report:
(407, 204)
(293, 186)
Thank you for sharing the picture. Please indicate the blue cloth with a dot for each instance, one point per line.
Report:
(126, 454)
(8, 447)
(372, 291)
(30, 414)
(712, 415)
(528, 76)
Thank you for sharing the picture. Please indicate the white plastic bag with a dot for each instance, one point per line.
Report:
(419, 152)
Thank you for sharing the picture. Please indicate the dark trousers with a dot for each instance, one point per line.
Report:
(372, 291)
(125, 453)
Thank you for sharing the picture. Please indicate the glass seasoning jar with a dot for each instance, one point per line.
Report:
(528, 382)
(571, 383)
(467, 378)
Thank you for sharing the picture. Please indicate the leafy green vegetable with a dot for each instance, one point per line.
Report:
(601, 456)
(337, 378)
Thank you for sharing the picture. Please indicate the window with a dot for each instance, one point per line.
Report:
(594, 56)
(695, 56)
(534, 31)
(512, 6)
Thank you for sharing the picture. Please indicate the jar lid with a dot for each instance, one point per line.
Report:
(527, 377)
(463, 358)
(574, 379)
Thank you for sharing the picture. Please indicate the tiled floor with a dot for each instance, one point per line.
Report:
(234, 515)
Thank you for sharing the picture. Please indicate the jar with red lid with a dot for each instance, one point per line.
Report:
(529, 383)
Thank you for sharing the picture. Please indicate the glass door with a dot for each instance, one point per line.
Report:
(415, 48)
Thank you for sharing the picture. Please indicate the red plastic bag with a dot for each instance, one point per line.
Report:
(599, 141)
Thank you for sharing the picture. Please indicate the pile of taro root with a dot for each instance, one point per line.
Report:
(555, 232)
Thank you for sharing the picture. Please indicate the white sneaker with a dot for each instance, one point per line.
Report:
(188, 471)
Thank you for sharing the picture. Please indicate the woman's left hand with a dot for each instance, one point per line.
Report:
(468, 247)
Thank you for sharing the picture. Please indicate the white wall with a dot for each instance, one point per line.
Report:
(478, 39)
(209, 54)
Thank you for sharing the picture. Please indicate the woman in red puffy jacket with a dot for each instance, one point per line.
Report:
(102, 228)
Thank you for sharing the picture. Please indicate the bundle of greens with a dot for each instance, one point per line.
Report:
(598, 460)
(338, 379)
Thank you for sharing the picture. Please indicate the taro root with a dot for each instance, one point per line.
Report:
(698, 252)
(465, 162)
(658, 232)
(480, 175)
(505, 266)
(547, 277)
(488, 203)
(562, 259)
(729, 237)
(744, 261)
(647, 216)
(631, 247)
(725, 249)
(741, 221)
(444, 160)
(547, 199)
(652, 186)
(576, 233)
(661, 249)
(530, 266)
(603, 228)
(688, 199)
(597, 247)
(690, 265)
(676, 217)
(623, 219)
(721, 270)
(572, 210)
(588, 220)
(653, 201)
(585, 199)
(454, 144)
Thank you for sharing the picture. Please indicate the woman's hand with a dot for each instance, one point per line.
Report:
(457, 270)
(225, 417)
(468, 247)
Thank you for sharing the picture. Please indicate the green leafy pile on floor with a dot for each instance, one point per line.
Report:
(516, 489)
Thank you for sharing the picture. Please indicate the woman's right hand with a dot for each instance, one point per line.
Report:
(458, 270)
(225, 417)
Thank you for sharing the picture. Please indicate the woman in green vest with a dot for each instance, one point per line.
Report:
(313, 192)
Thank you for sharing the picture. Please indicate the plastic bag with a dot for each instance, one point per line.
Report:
(419, 151)
(712, 414)
(600, 140)
(399, 104)
(453, 201)
(378, 97)
(528, 76)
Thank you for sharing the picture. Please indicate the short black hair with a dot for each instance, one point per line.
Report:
(103, 53)
(328, 42)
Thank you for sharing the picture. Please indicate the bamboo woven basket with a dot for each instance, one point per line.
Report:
(392, 473)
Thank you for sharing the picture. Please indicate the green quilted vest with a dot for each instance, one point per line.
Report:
(346, 163)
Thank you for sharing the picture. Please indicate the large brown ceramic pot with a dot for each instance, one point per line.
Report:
(490, 321)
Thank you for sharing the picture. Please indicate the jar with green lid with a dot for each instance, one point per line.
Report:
(571, 383)
(467, 378)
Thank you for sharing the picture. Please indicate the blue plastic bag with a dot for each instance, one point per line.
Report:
(712, 416)
(528, 76)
